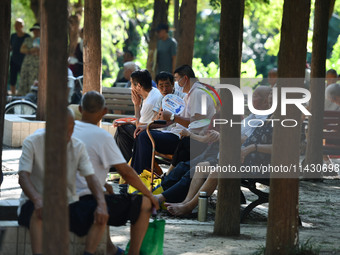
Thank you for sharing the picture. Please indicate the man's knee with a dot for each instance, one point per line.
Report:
(146, 204)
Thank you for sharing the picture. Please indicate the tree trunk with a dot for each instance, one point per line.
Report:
(92, 46)
(36, 7)
(176, 20)
(282, 230)
(331, 9)
(5, 28)
(227, 221)
(41, 110)
(160, 15)
(55, 214)
(74, 23)
(187, 24)
(317, 87)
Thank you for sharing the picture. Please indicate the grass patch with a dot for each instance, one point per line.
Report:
(306, 248)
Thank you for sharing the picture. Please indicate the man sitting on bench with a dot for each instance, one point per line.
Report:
(86, 217)
(145, 110)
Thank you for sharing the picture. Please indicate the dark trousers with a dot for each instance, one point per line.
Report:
(187, 149)
(124, 139)
(166, 143)
(177, 183)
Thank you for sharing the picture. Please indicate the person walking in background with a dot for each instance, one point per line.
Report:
(166, 50)
(30, 66)
(17, 57)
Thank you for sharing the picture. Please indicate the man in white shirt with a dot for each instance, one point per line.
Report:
(166, 142)
(147, 103)
(85, 217)
(104, 154)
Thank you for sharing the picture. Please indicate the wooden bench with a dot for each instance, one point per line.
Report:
(118, 102)
(331, 133)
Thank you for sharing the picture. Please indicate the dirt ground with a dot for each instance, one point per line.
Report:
(319, 210)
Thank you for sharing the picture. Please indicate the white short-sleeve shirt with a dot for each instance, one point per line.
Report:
(103, 152)
(151, 104)
(193, 106)
(32, 160)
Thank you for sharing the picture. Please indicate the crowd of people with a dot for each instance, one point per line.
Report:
(93, 152)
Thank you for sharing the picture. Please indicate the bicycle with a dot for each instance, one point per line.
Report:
(27, 105)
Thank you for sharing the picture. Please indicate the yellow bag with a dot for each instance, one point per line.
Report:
(145, 176)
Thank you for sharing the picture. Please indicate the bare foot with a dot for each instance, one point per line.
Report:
(179, 209)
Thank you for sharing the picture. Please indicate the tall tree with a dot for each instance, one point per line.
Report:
(228, 198)
(92, 46)
(282, 230)
(5, 28)
(187, 24)
(176, 20)
(41, 110)
(36, 7)
(74, 23)
(317, 86)
(160, 15)
(55, 213)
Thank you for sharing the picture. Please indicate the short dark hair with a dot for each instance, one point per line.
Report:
(332, 71)
(162, 26)
(164, 76)
(185, 70)
(143, 77)
(92, 102)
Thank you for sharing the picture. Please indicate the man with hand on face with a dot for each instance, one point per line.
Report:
(147, 103)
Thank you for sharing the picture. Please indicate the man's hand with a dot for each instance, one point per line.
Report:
(38, 207)
(185, 132)
(109, 188)
(213, 136)
(138, 130)
(118, 124)
(154, 202)
(100, 215)
(164, 115)
(136, 99)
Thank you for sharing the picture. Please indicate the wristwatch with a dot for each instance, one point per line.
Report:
(172, 117)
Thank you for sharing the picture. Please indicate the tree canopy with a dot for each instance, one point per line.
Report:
(126, 24)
